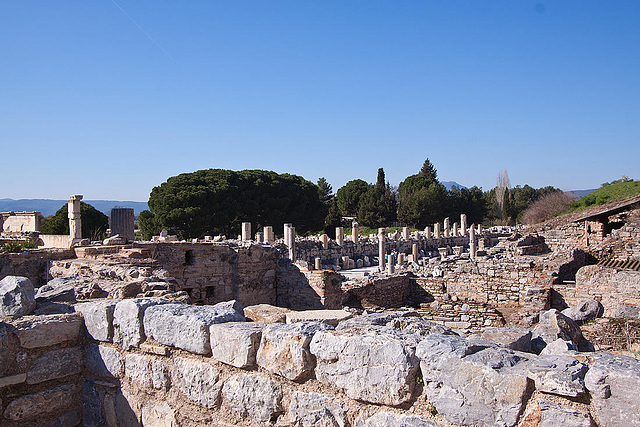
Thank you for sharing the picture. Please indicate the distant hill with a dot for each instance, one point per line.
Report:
(581, 193)
(49, 207)
(450, 184)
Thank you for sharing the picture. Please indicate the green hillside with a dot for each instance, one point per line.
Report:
(609, 192)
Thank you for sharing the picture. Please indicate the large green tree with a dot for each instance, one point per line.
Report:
(94, 222)
(348, 196)
(217, 201)
(378, 205)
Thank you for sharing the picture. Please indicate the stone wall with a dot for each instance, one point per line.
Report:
(33, 264)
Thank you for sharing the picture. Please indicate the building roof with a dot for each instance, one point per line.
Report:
(604, 213)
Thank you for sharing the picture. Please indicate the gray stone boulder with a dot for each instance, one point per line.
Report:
(470, 382)
(36, 405)
(391, 419)
(103, 362)
(419, 326)
(614, 383)
(17, 296)
(98, 318)
(585, 311)
(513, 338)
(187, 326)
(374, 319)
(45, 331)
(265, 313)
(57, 290)
(284, 349)
(55, 364)
(376, 365)
(158, 414)
(555, 374)
(561, 347)
(236, 343)
(199, 381)
(316, 410)
(330, 317)
(554, 325)
(128, 330)
(255, 396)
(554, 415)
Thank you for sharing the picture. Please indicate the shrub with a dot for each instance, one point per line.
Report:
(546, 207)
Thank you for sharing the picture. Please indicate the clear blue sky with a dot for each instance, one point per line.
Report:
(110, 98)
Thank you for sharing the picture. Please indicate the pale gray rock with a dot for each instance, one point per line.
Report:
(255, 396)
(187, 326)
(470, 382)
(554, 325)
(115, 240)
(585, 311)
(614, 383)
(104, 362)
(158, 414)
(316, 410)
(45, 331)
(513, 338)
(137, 367)
(419, 325)
(198, 380)
(48, 294)
(330, 317)
(556, 374)
(284, 349)
(236, 343)
(17, 296)
(98, 318)
(390, 419)
(55, 364)
(554, 415)
(561, 347)
(35, 405)
(160, 374)
(376, 365)
(128, 329)
(626, 311)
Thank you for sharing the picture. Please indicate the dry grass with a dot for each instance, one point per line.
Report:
(547, 207)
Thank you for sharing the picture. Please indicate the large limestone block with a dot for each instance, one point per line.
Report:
(470, 382)
(554, 325)
(158, 414)
(17, 296)
(187, 326)
(284, 349)
(137, 367)
(56, 291)
(236, 343)
(513, 338)
(42, 403)
(330, 317)
(556, 374)
(98, 318)
(265, 313)
(390, 419)
(374, 319)
(316, 410)
(585, 311)
(376, 365)
(104, 362)
(614, 383)
(255, 396)
(128, 329)
(45, 331)
(55, 364)
(198, 380)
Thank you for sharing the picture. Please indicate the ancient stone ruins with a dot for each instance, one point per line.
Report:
(453, 325)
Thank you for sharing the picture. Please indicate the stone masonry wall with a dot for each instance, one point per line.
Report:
(32, 264)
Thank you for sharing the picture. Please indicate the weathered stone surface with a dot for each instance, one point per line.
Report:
(471, 383)
(91, 405)
(4, 348)
(68, 419)
(187, 326)
(555, 374)
(626, 311)
(512, 338)
(51, 292)
(255, 396)
(390, 419)
(419, 325)
(265, 313)
(284, 349)
(160, 374)
(236, 343)
(98, 318)
(316, 410)
(138, 368)
(559, 346)
(330, 317)
(585, 311)
(103, 361)
(198, 380)
(614, 383)
(42, 403)
(158, 414)
(554, 325)
(375, 319)
(127, 321)
(45, 331)
(128, 409)
(554, 415)
(55, 364)
(17, 296)
(376, 365)
(12, 380)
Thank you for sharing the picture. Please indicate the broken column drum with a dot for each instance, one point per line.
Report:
(381, 249)
(340, 235)
(355, 232)
(121, 222)
(246, 231)
(446, 227)
(463, 224)
(75, 222)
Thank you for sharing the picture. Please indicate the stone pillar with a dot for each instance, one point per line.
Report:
(346, 262)
(259, 236)
(391, 265)
(446, 227)
(473, 247)
(381, 249)
(340, 236)
(414, 252)
(436, 230)
(427, 232)
(268, 234)
(325, 241)
(479, 228)
(455, 229)
(121, 222)
(463, 224)
(355, 232)
(401, 258)
(318, 263)
(405, 233)
(287, 226)
(291, 231)
(443, 253)
(246, 231)
(75, 222)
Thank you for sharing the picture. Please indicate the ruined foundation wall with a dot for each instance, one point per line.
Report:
(31, 264)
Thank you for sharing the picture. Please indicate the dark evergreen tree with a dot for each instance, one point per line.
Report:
(429, 172)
